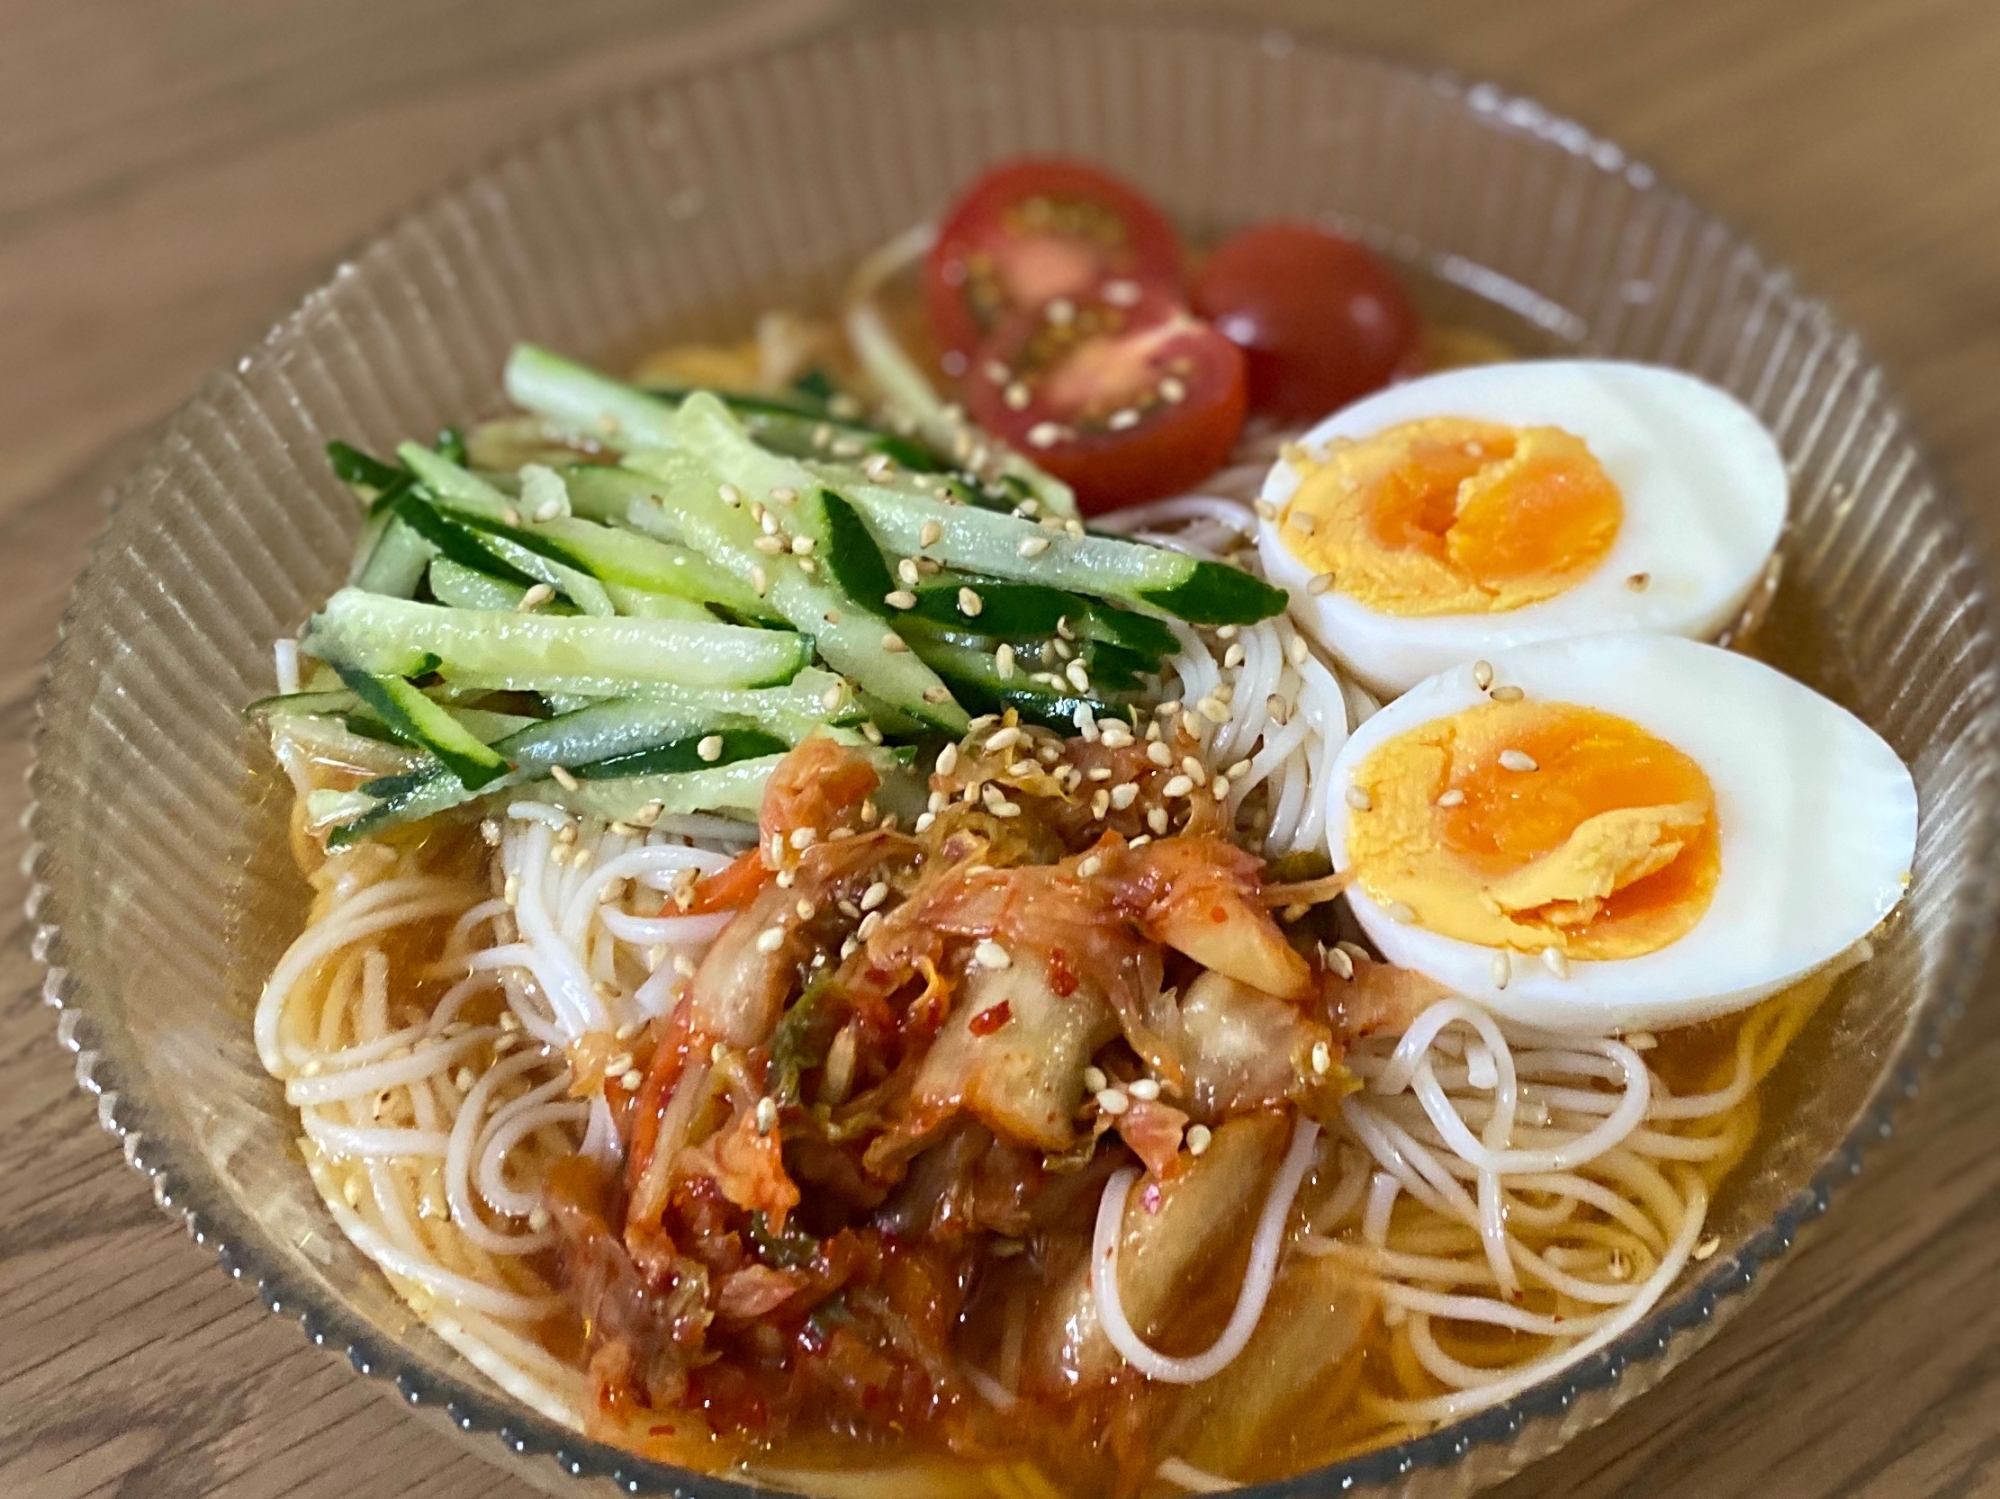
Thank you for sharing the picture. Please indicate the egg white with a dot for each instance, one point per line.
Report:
(1702, 482)
(1817, 819)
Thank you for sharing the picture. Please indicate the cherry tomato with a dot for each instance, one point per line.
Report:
(1124, 403)
(1037, 229)
(1319, 318)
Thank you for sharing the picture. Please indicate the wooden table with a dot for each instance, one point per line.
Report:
(174, 172)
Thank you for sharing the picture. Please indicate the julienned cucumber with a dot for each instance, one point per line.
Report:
(1006, 546)
(724, 789)
(415, 719)
(1019, 611)
(662, 715)
(853, 632)
(537, 653)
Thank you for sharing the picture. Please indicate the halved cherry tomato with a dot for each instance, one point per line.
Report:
(1124, 403)
(1319, 318)
(1033, 230)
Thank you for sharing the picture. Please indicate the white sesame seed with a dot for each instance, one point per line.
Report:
(510, 515)
(489, 831)
(1156, 819)
(1003, 661)
(632, 1080)
(1173, 391)
(767, 1115)
(1090, 866)
(1265, 510)
(1339, 962)
(1452, 798)
(535, 597)
(869, 925)
(1032, 546)
(1508, 694)
(990, 954)
(1100, 803)
(1322, 1058)
(783, 495)
(1298, 651)
(1060, 311)
(729, 493)
(710, 748)
(1113, 1101)
(893, 643)
(770, 546)
(1233, 657)
(947, 760)
(1403, 911)
(1213, 709)
(1159, 754)
(1079, 677)
(760, 581)
(1320, 584)
(1122, 292)
(1503, 969)
(1199, 1138)
(1642, 1040)
(1122, 420)
(1358, 799)
(1513, 759)
(970, 603)
(1003, 738)
(561, 776)
(1180, 785)
(804, 838)
(1123, 796)
(1045, 434)
(874, 895)
(802, 545)
(770, 939)
(901, 598)
(1556, 961)
(908, 571)
(1707, 1247)
(1145, 1088)
(1194, 769)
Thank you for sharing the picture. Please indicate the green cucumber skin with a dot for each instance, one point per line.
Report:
(683, 755)
(1019, 611)
(414, 718)
(627, 725)
(398, 561)
(535, 652)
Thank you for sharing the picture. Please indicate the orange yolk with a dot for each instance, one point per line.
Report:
(1535, 825)
(1453, 516)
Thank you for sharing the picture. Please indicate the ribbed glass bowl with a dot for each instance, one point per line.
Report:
(162, 886)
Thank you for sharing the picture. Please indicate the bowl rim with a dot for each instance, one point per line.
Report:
(183, 1188)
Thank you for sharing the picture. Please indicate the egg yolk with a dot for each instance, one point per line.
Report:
(1453, 516)
(1530, 825)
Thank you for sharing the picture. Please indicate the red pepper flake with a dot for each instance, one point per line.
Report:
(1217, 915)
(1062, 977)
(989, 1020)
(1150, 1197)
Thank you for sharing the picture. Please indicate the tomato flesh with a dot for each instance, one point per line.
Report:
(1320, 319)
(1034, 230)
(1123, 403)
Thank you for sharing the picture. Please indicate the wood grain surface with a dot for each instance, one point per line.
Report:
(174, 172)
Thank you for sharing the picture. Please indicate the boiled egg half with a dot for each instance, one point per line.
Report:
(1618, 831)
(1468, 512)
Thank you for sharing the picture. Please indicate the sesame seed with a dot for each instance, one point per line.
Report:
(1451, 798)
(770, 546)
(804, 838)
(1339, 962)
(1265, 510)
(729, 493)
(1300, 521)
(767, 521)
(783, 495)
(808, 566)
(1513, 759)
(1003, 661)
(879, 467)
(801, 545)
(535, 597)
(489, 830)
(510, 515)
(1142, 840)
(990, 954)
(1089, 868)
(1403, 911)
(632, 1080)
(806, 909)
(1113, 1101)
(1503, 969)
(1173, 391)
(830, 699)
(931, 534)
(767, 1115)
(1213, 709)
(1509, 694)
(874, 895)
(1145, 1088)
(1359, 800)
(1707, 1247)
(1100, 803)
(1004, 738)
(1122, 420)
(893, 643)
(901, 598)
(947, 760)
(1016, 396)
(1122, 292)
(710, 748)
(1642, 1040)
(1298, 651)
(970, 603)
(760, 581)
(1198, 1139)
(1322, 1058)
(1180, 785)
(1079, 677)
(770, 939)
(1045, 434)
(1032, 546)
(1320, 584)
(1194, 769)
(1060, 311)
(869, 925)
(1191, 726)
(1556, 961)
(1482, 674)
(561, 776)
(548, 510)
(1156, 819)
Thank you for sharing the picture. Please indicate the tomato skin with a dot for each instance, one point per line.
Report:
(1034, 229)
(1065, 392)
(1320, 319)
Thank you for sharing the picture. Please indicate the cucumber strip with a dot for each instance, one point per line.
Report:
(396, 564)
(578, 397)
(471, 588)
(727, 789)
(802, 431)
(852, 631)
(1016, 611)
(640, 604)
(616, 557)
(454, 487)
(978, 684)
(536, 652)
(449, 539)
(335, 702)
(621, 497)
(359, 470)
(725, 746)
(1006, 546)
(414, 718)
(661, 715)
(477, 507)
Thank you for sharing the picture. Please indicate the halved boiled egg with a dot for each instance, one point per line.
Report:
(1618, 831)
(1463, 513)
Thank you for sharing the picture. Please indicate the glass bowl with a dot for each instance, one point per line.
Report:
(162, 886)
